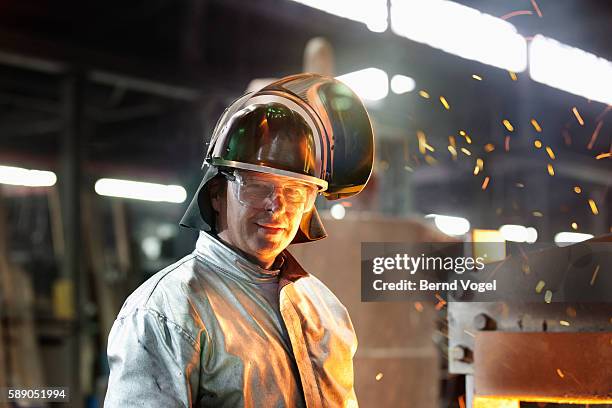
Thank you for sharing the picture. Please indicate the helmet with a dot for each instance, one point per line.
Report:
(309, 127)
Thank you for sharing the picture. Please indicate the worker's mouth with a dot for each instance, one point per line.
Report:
(271, 228)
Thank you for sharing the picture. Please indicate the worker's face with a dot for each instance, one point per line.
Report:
(259, 213)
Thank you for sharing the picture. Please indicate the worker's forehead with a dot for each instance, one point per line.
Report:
(248, 174)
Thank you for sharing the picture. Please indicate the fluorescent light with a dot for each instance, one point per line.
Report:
(450, 225)
(461, 31)
(23, 177)
(337, 211)
(570, 69)
(514, 233)
(151, 247)
(532, 235)
(373, 13)
(567, 238)
(401, 84)
(370, 83)
(140, 191)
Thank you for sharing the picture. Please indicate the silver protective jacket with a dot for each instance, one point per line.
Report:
(197, 334)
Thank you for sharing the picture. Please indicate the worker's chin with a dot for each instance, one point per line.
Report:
(270, 247)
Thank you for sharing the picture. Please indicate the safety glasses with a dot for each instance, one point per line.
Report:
(253, 189)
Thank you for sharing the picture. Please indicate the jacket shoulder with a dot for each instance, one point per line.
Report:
(144, 296)
(171, 294)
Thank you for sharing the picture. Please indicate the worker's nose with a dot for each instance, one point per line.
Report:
(275, 201)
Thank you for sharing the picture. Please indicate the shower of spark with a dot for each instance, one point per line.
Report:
(578, 117)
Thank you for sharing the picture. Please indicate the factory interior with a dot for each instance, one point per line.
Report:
(492, 123)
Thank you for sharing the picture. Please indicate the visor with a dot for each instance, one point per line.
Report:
(270, 137)
(309, 127)
(347, 138)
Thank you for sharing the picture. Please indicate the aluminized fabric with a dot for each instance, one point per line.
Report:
(197, 334)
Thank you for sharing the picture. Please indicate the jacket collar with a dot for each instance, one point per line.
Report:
(215, 252)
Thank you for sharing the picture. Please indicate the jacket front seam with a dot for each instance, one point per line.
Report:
(304, 348)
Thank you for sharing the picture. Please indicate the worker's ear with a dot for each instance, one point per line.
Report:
(216, 189)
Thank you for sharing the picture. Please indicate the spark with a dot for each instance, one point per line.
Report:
(574, 226)
(468, 139)
(445, 103)
(594, 275)
(466, 151)
(441, 302)
(551, 171)
(462, 132)
(461, 401)
(452, 151)
(540, 286)
(560, 373)
(451, 140)
(430, 160)
(422, 141)
(418, 306)
(480, 163)
(424, 94)
(577, 190)
(593, 206)
(537, 214)
(603, 156)
(477, 77)
(476, 170)
(536, 8)
(508, 125)
(379, 376)
(525, 267)
(516, 13)
(564, 323)
(512, 75)
(485, 183)
(594, 135)
(507, 143)
(536, 125)
(550, 152)
(489, 147)
(578, 117)
(548, 296)
(520, 185)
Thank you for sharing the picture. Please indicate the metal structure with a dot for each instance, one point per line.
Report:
(553, 350)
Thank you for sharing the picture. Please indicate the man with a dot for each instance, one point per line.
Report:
(239, 322)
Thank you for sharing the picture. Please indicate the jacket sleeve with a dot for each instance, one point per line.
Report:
(153, 362)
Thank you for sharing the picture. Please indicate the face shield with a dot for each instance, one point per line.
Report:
(270, 137)
(309, 128)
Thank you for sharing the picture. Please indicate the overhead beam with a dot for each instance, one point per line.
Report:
(167, 80)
